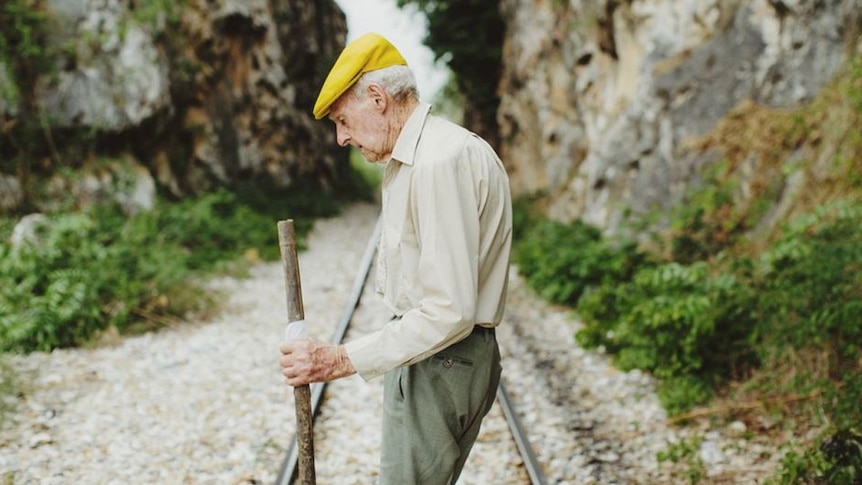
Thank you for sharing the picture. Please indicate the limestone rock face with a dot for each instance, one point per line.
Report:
(117, 77)
(254, 112)
(199, 94)
(601, 99)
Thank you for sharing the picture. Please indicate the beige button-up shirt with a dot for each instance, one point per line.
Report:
(444, 250)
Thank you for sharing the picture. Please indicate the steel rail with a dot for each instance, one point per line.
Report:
(534, 468)
(287, 473)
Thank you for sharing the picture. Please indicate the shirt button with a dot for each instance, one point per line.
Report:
(447, 362)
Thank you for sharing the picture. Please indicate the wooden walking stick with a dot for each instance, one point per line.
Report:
(301, 394)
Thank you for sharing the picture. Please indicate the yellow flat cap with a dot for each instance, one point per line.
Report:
(366, 53)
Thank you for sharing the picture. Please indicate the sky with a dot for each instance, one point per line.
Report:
(405, 29)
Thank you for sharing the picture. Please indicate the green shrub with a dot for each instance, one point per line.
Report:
(810, 297)
(685, 325)
(25, 56)
(697, 326)
(22, 40)
(799, 468)
(810, 300)
(680, 393)
(214, 227)
(706, 222)
(561, 260)
(93, 270)
(811, 287)
(842, 399)
(837, 460)
(75, 281)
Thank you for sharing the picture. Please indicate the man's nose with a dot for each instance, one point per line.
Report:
(341, 137)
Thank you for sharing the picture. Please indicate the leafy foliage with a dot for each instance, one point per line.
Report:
(562, 260)
(836, 461)
(89, 271)
(810, 297)
(708, 222)
(22, 40)
(697, 326)
(811, 284)
(682, 323)
(25, 56)
(74, 282)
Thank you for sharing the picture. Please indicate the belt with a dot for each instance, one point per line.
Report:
(476, 328)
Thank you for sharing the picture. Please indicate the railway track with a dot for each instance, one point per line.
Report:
(288, 471)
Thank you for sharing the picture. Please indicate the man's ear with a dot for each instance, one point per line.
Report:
(378, 96)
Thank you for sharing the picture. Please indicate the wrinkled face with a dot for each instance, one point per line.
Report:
(361, 123)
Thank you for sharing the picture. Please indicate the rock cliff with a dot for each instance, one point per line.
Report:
(603, 99)
(188, 95)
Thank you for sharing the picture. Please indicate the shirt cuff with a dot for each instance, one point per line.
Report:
(364, 354)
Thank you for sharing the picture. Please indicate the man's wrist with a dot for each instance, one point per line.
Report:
(343, 363)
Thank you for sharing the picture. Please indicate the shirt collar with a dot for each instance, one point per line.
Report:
(405, 146)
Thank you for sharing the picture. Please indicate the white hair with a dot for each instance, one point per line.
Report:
(398, 81)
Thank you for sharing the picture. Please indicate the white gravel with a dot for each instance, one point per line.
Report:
(204, 403)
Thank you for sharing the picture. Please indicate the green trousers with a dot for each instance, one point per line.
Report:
(433, 410)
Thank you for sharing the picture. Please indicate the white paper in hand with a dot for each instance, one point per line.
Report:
(295, 330)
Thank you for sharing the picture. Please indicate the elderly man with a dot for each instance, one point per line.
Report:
(442, 268)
